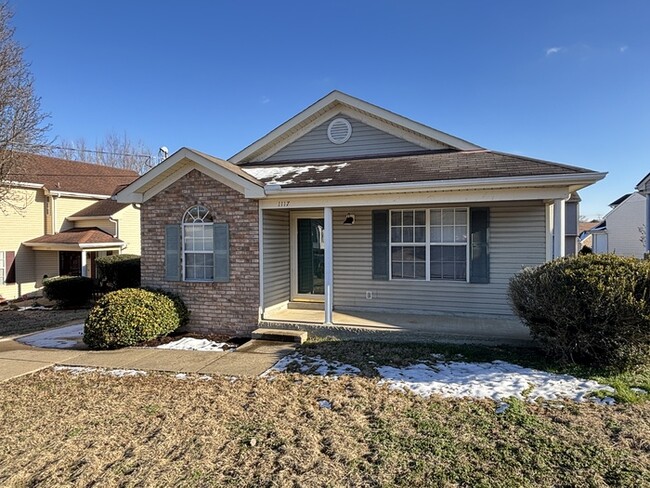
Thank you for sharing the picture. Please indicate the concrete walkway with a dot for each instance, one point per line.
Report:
(250, 359)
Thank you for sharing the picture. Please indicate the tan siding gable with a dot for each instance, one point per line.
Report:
(129, 229)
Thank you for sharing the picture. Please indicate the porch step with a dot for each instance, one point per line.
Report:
(306, 306)
(280, 335)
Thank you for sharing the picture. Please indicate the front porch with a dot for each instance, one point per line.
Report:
(391, 326)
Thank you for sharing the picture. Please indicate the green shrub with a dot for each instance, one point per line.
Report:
(181, 309)
(591, 309)
(129, 316)
(68, 291)
(119, 271)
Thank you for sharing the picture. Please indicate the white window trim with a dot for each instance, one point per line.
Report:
(428, 245)
(184, 225)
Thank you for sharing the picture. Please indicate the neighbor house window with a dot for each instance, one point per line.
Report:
(429, 244)
(198, 246)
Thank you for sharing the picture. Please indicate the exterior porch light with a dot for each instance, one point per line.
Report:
(349, 219)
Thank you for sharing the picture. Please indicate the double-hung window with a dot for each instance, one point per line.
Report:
(429, 244)
(198, 245)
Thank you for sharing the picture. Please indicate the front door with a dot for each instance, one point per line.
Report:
(308, 257)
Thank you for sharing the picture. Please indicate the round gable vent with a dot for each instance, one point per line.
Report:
(339, 131)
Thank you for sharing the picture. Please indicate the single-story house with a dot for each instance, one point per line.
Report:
(350, 215)
(59, 217)
(621, 231)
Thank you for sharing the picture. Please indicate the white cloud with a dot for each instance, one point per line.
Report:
(554, 50)
(623, 49)
(265, 100)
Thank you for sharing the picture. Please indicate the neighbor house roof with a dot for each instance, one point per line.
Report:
(644, 184)
(101, 208)
(432, 166)
(63, 175)
(82, 237)
(619, 200)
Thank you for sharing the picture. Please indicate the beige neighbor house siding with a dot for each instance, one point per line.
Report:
(365, 141)
(277, 270)
(230, 307)
(17, 226)
(129, 229)
(66, 206)
(517, 239)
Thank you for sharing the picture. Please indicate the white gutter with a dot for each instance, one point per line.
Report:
(80, 195)
(117, 226)
(92, 217)
(36, 186)
(458, 184)
(56, 247)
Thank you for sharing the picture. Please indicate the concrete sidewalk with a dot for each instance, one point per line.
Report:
(250, 359)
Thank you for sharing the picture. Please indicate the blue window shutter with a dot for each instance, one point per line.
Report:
(173, 252)
(479, 267)
(380, 244)
(221, 253)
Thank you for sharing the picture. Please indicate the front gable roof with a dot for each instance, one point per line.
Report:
(337, 103)
(644, 185)
(181, 163)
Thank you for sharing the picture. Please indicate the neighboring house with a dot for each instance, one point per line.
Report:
(585, 238)
(61, 219)
(643, 187)
(351, 215)
(620, 231)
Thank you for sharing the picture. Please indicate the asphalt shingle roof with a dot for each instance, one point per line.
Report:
(90, 235)
(102, 208)
(432, 166)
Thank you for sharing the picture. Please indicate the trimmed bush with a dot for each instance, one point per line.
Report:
(181, 309)
(591, 309)
(119, 271)
(129, 316)
(68, 291)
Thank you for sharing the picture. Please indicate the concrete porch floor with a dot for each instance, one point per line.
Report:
(402, 327)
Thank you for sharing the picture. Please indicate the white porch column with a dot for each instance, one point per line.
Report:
(260, 254)
(84, 266)
(558, 228)
(329, 266)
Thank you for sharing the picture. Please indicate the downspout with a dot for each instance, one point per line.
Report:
(54, 197)
(116, 222)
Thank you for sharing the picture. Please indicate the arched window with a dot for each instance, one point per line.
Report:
(198, 244)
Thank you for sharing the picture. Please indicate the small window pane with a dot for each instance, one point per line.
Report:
(448, 271)
(448, 216)
(407, 218)
(408, 234)
(395, 218)
(396, 254)
(190, 274)
(461, 234)
(436, 270)
(420, 234)
(460, 253)
(408, 253)
(396, 234)
(408, 271)
(461, 217)
(461, 271)
(447, 253)
(436, 253)
(448, 233)
(436, 217)
(420, 217)
(420, 253)
(420, 271)
(436, 234)
(397, 270)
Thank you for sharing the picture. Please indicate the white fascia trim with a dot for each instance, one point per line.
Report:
(95, 217)
(72, 194)
(35, 186)
(473, 183)
(337, 96)
(72, 247)
(134, 194)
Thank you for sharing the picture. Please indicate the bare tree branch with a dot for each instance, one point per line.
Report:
(22, 125)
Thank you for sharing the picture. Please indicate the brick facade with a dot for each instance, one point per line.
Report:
(229, 308)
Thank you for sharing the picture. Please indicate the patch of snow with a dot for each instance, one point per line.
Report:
(61, 338)
(501, 409)
(497, 380)
(284, 175)
(205, 377)
(192, 344)
(33, 307)
(181, 376)
(640, 391)
(314, 365)
(325, 404)
(605, 401)
(119, 373)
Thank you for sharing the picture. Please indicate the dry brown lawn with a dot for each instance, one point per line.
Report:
(57, 429)
(14, 322)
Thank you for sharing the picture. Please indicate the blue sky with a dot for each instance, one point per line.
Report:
(566, 81)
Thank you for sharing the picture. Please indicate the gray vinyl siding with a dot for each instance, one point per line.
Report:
(516, 237)
(277, 274)
(364, 141)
